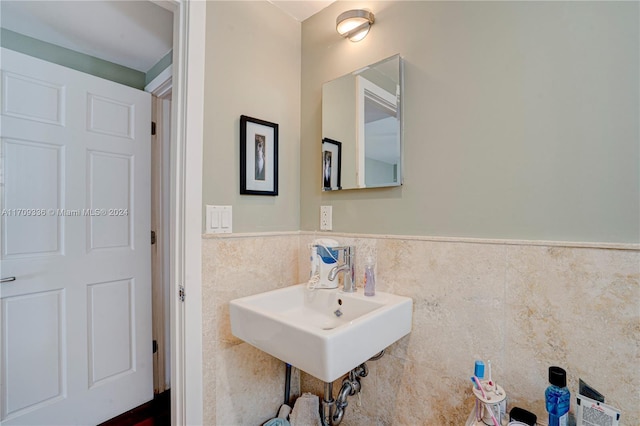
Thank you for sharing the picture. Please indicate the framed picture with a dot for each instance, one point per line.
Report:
(331, 164)
(258, 157)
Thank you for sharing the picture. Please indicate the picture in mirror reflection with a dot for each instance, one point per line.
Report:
(331, 164)
(327, 169)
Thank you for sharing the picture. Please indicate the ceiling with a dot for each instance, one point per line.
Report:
(301, 10)
(136, 34)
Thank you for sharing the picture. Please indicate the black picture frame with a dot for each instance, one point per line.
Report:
(258, 156)
(331, 164)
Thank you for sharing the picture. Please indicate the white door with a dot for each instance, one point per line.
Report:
(76, 323)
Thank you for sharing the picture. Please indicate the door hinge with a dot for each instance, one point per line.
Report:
(155, 346)
(181, 293)
(153, 237)
(153, 128)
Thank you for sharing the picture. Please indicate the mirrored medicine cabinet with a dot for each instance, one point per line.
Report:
(362, 128)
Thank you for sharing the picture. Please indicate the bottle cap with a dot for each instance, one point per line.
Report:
(520, 416)
(558, 377)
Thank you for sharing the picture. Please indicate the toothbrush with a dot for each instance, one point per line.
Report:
(495, 385)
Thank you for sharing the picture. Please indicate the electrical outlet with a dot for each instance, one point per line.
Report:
(326, 222)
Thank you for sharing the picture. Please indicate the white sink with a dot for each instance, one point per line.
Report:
(300, 327)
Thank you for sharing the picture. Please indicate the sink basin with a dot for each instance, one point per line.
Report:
(301, 326)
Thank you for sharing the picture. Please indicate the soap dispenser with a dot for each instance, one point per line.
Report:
(369, 277)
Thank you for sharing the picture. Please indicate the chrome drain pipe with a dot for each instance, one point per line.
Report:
(327, 404)
(332, 411)
(350, 386)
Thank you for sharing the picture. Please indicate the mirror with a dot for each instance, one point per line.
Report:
(361, 128)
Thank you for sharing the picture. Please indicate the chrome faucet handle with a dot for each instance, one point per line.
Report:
(347, 266)
(349, 257)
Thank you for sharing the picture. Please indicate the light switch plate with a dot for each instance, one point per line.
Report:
(326, 220)
(219, 220)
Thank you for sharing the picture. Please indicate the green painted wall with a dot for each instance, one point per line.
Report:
(252, 65)
(159, 67)
(72, 59)
(520, 120)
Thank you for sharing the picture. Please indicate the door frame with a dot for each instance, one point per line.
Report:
(160, 244)
(187, 115)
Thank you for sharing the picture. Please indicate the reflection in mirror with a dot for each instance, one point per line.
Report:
(331, 164)
(361, 112)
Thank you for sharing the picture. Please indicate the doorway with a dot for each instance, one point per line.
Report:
(161, 90)
(185, 202)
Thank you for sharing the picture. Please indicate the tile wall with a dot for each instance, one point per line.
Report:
(523, 305)
(242, 385)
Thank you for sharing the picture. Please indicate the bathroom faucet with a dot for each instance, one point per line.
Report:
(348, 267)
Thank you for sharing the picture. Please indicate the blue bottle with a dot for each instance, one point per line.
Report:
(557, 397)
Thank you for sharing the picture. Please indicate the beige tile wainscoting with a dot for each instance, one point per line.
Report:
(524, 305)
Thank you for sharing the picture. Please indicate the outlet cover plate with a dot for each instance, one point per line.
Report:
(326, 220)
(219, 220)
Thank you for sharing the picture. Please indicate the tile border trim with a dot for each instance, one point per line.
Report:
(567, 244)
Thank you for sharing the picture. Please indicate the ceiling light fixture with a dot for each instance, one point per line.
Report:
(354, 24)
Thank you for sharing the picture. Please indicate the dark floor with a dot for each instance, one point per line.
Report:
(156, 412)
